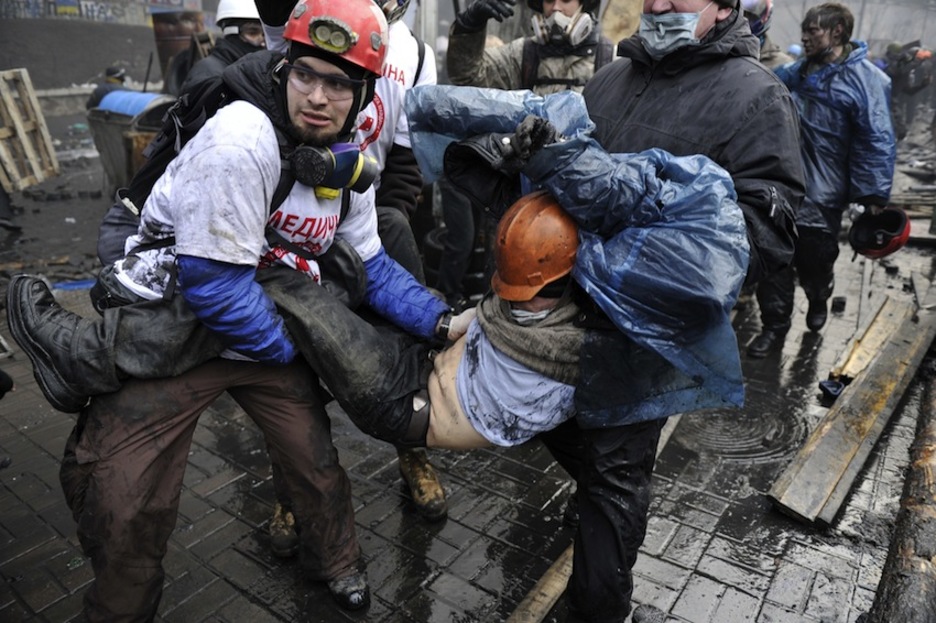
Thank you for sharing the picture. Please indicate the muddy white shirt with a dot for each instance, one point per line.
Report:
(215, 197)
(383, 123)
(506, 402)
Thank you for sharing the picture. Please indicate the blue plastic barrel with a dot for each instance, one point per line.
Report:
(129, 103)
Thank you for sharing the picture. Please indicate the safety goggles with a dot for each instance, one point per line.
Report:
(336, 88)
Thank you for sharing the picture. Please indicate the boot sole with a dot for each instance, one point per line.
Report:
(57, 388)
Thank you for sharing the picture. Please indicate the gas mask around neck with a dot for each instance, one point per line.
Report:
(668, 32)
(343, 165)
(560, 28)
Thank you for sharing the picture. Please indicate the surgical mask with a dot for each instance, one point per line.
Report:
(526, 318)
(667, 32)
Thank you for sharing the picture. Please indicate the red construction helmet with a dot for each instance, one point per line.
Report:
(353, 30)
(535, 245)
(878, 235)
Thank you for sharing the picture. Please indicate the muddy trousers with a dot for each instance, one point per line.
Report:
(372, 371)
(124, 463)
(813, 264)
(612, 469)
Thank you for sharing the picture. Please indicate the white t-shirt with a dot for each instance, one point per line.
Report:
(383, 123)
(215, 197)
(505, 401)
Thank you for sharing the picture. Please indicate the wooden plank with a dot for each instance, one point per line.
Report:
(816, 482)
(26, 153)
(889, 316)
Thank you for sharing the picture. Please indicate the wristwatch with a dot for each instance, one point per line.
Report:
(445, 323)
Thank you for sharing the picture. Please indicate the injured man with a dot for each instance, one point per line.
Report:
(511, 376)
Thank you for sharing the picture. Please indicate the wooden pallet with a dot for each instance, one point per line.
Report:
(26, 154)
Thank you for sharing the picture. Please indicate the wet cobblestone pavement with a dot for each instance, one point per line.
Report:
(716, 551)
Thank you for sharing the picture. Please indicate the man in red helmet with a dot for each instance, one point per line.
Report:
(206, 246)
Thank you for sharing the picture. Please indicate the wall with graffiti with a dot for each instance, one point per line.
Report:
(131, 12)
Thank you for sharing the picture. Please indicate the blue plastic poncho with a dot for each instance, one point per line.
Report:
(663, 246)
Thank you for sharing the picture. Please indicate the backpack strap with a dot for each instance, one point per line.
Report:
(421, 47)
(529, 63)
(604, 54)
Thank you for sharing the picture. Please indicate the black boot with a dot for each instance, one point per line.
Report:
(816, 315)
(768, 341)
(351, 592)
(45, 331)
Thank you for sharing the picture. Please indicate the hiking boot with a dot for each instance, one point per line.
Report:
(351, 592)
(645, 613)
(284, 540)
(767, 342)
(816, 315)
(45, 331)
(423, 483)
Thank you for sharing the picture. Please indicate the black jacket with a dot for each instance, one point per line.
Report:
(713, 99)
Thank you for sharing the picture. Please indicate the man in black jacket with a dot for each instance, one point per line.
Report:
(242, 33)
(690, 85)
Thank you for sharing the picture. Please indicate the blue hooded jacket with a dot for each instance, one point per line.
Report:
(663, 252)
(848, 142)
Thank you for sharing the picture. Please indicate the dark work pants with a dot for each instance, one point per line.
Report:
(398, 240)
(612, 469)
(460, 219)
(813, 265)
(124, 464)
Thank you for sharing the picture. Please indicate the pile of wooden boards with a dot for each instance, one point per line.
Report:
(26, 154)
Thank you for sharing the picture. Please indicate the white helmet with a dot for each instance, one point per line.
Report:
(236, 9)
(394, 10)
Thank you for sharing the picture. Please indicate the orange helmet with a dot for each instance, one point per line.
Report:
(535, 245)
(354, 30)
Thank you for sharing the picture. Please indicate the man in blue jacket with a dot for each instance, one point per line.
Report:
(848, 148)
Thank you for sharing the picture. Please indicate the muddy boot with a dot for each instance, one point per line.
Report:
(71, 358)
(284, 541)
(645, 613)
(351, 592)
(423, 483)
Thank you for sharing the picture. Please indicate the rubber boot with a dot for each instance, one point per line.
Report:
(423, 482)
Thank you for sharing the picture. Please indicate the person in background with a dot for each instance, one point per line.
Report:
(241, 33)
(848, 148)
(114, 78)
(759, 14)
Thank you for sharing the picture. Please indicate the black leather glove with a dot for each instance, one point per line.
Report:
(275, 12)
(532, 135)
(475, 17)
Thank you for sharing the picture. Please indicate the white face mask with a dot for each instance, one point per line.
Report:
(526, 318)
(665, 33)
